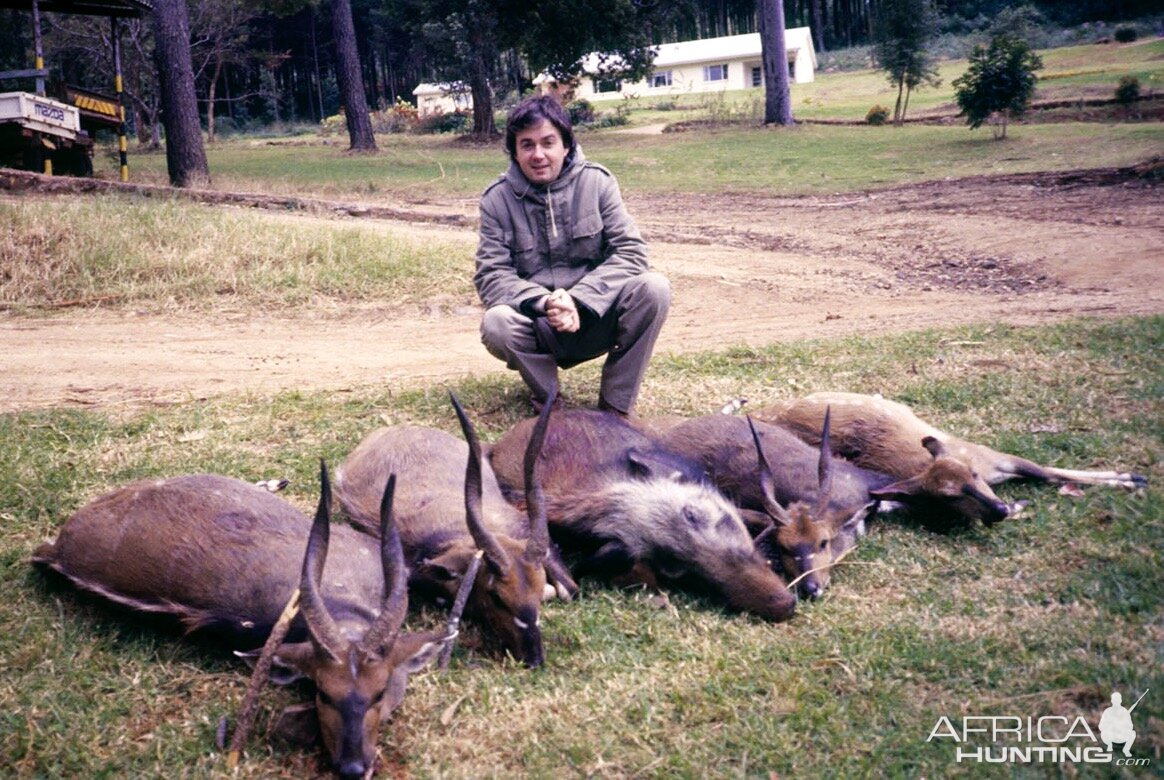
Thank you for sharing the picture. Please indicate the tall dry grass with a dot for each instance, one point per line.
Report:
(172, 255)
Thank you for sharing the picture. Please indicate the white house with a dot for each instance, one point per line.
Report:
(444, 98)
(708, 65)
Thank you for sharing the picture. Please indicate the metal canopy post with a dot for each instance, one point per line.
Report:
(39, 66)
(37, 47)
(122, 147)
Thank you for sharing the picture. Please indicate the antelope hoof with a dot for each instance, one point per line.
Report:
(1015, 510)
(272, 485)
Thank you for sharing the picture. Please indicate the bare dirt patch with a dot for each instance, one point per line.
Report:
(746, 269)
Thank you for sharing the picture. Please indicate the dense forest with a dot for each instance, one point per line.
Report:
(259, 62)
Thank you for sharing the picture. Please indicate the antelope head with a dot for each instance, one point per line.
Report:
(948, 485)
(802, 533)
(511, 584)
(358, 680)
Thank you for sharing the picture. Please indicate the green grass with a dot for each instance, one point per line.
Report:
(814, 159)
(807, 159)
(1044, 615)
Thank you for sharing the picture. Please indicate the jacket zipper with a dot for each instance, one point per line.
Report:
(550, 208)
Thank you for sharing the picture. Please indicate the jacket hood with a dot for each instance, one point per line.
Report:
(523, 187)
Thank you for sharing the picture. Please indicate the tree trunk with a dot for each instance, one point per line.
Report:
(897, 106)
(211, 91)
(777, 97)
(143, 124)
(998, 124)
(349, 78)
(185, 154)
(817, 20)
(483, 124)
(315, 63)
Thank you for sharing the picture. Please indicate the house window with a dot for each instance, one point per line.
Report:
(715, 72)
(661, 78)
(607, 85)
(757, 77)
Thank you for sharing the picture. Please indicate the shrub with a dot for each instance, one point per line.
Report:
(616, 118)
(878, 115)
(440, 122)
(720, 110)
(333, 124)
(581, 112)
(398, 118)
(998, 84)
(1128, 91)
(1125, 34)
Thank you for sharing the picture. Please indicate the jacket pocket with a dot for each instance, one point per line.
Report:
(525, 255)
(586, 240)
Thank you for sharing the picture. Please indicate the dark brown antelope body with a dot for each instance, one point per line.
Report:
(632, 506)
(448, 507)
(224, 556)
(818, 504)
(932, 467)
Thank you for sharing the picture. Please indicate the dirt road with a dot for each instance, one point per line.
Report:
(745, 270)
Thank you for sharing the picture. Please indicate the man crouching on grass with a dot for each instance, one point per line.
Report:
(561, 267)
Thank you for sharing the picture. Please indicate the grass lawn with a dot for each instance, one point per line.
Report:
(1041, 616)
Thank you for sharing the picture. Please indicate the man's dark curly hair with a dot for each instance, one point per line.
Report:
(530, 112)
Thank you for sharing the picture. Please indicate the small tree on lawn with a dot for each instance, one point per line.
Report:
(901, 31)
(999, 83)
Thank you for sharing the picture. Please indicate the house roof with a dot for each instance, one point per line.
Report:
(797, 40)
(729, 47)
(443, 88)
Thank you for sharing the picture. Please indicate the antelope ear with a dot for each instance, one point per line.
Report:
(855, 524)
(639, 465)
(933, 446)
(898, 491)
(755, 520)
(448, 566)
(411, 653)
(292, 662)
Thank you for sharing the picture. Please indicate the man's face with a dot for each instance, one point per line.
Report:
(540, 152)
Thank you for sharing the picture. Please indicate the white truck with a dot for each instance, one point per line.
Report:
(41, 134)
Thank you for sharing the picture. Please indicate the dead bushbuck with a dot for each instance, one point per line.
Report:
(448, 507)
(223, 556)
(935, 470)
(811, 507)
